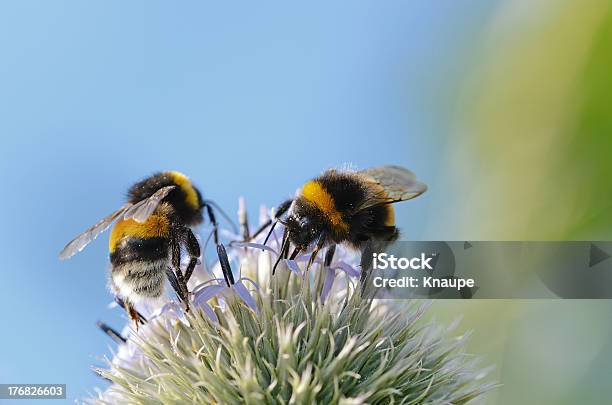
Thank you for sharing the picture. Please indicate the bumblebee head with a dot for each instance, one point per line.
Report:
(303, 230)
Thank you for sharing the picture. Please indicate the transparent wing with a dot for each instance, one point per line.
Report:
(142, 210)
(79, 243)
(392, 184)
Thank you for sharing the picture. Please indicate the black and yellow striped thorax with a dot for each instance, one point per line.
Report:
(135, 241)
(337, 195)
(185, 199)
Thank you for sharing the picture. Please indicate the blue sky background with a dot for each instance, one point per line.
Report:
(247, 99)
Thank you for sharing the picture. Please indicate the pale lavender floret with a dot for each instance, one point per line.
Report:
(245, 295)
(205, 293)
(196, 291)
(168, 309)
(293, 266)
(209, 312)
(347, 268)
(254, 245)
(127, 355)
(250, 281)
(328, 283)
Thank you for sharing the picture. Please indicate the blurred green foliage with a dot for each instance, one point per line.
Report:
(590, 148)
(533, 161)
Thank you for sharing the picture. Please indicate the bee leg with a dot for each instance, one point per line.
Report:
(223, 214)
(295, 252)
(268, 222)
(213, 221)
(382, 238)
(280, 211)
(193, 249)
(369, 248)
(366, 264)
(176, 263)
(134, 315)
(329, 255)
(126, 306)
(283, 251)
(174, 283)
(315, 252)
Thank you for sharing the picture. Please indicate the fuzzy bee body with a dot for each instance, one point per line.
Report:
(350, 207)
(139, 256)
(147, 236)
(328, 205)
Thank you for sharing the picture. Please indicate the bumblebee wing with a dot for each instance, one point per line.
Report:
(79, 243)
(139, 212)
(390, 184)
(142, 210)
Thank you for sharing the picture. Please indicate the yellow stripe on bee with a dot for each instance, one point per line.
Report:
(314, 192)
(390, 220)
(156, 226)
(185, 184)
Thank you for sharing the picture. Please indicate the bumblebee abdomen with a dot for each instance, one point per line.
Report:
(139, 250)
(374, 223)
(139, 254)
(139, 267)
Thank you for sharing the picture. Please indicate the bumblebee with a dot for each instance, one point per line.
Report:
(147, 236)
(341, 206)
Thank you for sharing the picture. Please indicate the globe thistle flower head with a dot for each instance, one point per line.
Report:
(299, 336)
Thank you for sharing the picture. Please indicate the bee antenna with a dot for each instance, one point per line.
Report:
(210, 235)
(270, 232)
(283, 250)
(282, 221)
(223, 214)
